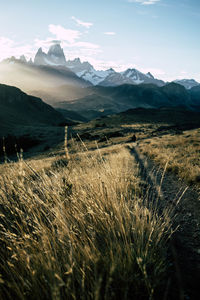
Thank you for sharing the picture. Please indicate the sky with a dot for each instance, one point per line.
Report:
(160, 36)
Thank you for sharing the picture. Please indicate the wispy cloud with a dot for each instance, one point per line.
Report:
(64, 34)
(110, 33)
(70, 41)
(81, 23)
(11, 48)
(144, 2)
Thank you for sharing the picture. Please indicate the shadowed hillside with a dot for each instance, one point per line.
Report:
(25, 119)
(98, 101)
(18, 108)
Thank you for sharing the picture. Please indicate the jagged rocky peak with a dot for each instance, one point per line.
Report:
(131, 72)
(40, 57)
(77, 66)
(40, 52)
(111, 70)
(56, 54)
(76, 60)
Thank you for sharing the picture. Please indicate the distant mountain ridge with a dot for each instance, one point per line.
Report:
(67, 85)
(55, 57)
(101, 101)
(110, 77)
(29, 76)
(187, 83)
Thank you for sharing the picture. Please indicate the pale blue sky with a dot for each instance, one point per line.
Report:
(161, 36)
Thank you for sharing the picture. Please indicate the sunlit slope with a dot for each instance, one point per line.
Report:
(33, 77)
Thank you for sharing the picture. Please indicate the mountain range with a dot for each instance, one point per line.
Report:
(55, 58)
(76, 88)
(101, 101)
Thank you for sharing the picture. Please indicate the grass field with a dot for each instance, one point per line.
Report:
(180, 152)
(80, 228)
(75, 221)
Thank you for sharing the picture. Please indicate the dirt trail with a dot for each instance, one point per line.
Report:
(185, 246)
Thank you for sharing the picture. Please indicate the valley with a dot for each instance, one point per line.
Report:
(100, 182)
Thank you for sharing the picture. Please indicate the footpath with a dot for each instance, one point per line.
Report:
(184, 281)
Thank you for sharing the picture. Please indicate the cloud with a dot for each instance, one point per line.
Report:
(81, 49)
(144, 2)
(87, 45)
(110, 33)
(81, 23)
(183, 72)
(70, 42)
(11, 48)
(63, 34)
(44, 44)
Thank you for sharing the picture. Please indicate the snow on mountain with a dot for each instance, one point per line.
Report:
(114, 79)
(77, 66)
(187, 83)
(110, 77)
(138, 77)
(134, 75)
(95, 76)
(84, 70)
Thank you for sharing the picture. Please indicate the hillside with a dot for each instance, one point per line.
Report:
(102, 101)
(26, 120)
(18, 108)
(28, 76)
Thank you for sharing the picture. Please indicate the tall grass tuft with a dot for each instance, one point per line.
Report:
(81, 232)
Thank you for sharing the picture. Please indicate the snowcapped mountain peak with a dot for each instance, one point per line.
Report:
(134, 75)
(187, 83)
(84, 70)
(79, 67)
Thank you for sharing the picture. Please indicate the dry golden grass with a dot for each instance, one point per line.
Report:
(180, 151)
(81, 231)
